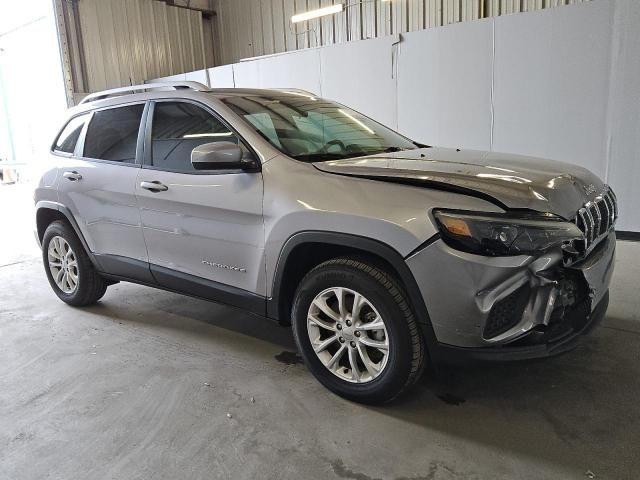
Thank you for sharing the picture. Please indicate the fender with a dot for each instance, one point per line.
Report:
(366, 245)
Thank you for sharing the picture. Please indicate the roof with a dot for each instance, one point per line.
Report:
(192, 86)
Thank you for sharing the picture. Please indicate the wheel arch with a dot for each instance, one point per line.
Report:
(304, 250)
(48, 212)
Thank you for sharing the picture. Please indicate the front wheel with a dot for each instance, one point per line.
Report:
(68, 267)
(356, 331)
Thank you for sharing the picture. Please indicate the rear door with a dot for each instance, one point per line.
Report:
(204, 224)
(97, 184)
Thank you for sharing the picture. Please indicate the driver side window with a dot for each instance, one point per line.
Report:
(178, 128)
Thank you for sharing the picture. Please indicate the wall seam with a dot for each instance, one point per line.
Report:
(493, 78)
(608, 130)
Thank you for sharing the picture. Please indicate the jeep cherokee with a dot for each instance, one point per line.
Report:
(381, 252)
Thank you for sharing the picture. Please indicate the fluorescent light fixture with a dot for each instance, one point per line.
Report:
(204, 135)
(320, 12)
(356, 121)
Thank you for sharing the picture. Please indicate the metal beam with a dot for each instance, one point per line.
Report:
(206, 12)
(65, 50)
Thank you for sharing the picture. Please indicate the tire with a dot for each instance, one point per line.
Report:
(89, 285)
(394, 372)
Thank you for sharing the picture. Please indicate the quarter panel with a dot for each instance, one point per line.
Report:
(46, 187)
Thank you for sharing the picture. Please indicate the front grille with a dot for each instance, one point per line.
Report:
(506, 313)
(597, 217)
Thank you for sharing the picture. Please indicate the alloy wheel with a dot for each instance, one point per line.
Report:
(348, 334)
(63, 264)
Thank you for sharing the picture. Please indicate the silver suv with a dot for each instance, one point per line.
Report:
(381, 252)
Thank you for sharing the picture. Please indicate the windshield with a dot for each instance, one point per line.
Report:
(312, 129)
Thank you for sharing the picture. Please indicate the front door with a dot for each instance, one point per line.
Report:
(97, 184)
(206, 225)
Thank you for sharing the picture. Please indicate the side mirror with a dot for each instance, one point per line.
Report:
(217, 156)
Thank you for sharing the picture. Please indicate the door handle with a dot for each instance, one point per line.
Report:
(72, 176)
(154, 186)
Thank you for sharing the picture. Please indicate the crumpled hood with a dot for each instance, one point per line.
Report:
(511, 181)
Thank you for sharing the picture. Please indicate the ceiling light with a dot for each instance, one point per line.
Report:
(320, 12)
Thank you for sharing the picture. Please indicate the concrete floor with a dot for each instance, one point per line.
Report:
(152, 385)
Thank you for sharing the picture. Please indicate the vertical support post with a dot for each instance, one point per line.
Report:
(65, 50)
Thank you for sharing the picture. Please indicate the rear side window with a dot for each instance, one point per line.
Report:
(178, 128)
(113, 134)
(66, 142)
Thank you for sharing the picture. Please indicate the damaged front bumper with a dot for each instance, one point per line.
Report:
(512, 307)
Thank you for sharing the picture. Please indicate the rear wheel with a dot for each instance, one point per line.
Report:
(356, 331)
(68, 267)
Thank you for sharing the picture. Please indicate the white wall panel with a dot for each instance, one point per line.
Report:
(197, 76)
(246, 74)
(444, 85)
(551, 82)
(289, 70)
(623, 133)
(221, 77)
(360, 75)
(180, 77)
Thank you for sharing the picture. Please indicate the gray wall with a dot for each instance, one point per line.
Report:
(112, 43)
(128, 41)
(560, 83)
(250, 28)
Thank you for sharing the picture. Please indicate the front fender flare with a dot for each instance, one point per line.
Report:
(366, 245)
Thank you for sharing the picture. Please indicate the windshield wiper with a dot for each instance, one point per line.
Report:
(325, 156)
(322, 156)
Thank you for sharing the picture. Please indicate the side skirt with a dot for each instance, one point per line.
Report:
(125, 269)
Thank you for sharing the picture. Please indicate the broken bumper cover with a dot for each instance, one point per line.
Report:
(520, 307)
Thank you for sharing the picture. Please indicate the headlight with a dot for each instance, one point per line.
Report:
(502, 234)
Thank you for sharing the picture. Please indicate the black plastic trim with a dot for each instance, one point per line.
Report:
(124, 267)
(119, 268)
(424, 245)
(225, 171)
(208, 290)
(461, 355)
(46, 204)
(367, 245)
(626, 235)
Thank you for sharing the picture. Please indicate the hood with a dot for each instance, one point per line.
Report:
(509, 181)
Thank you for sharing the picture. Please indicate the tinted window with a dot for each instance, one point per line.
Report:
(309, 128)
(67, 139)
(180, 127)
(113, 134)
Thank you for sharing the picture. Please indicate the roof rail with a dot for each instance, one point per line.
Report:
(92, 97)
(296, 91)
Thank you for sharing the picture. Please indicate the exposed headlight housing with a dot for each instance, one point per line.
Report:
(503, 234)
